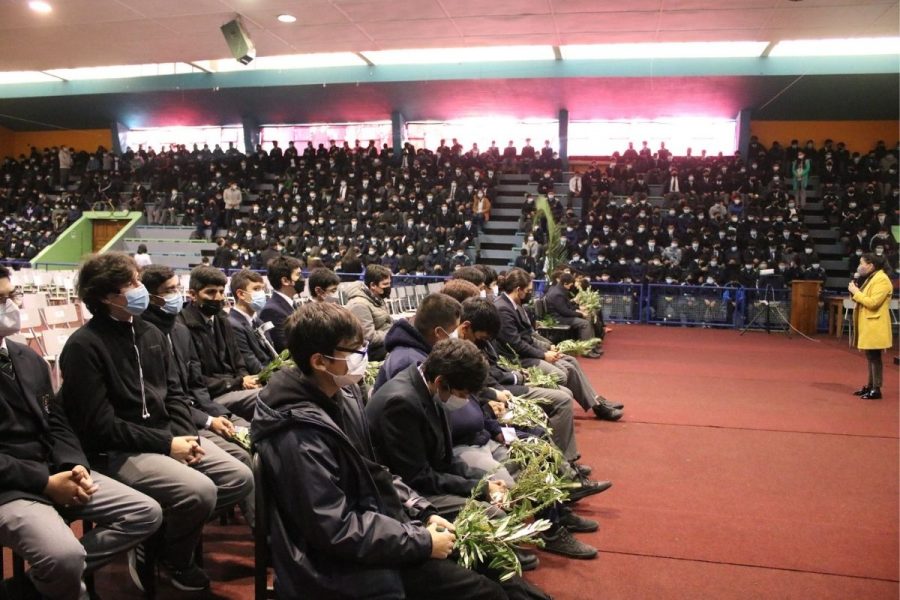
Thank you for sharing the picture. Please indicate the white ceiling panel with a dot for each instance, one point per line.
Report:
(713, 19)
(611, 21)
(673, 5)
(590, 6)
(512, 25)
(475, 8)
(15, 15)
(392, 10)
(153, 9)
(383, 32)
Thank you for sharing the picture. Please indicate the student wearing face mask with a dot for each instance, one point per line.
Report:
(221, 362)
(367, 300)
(47, 478)
(323, 285)
(122, 396)
(872, 318)
(370, 533)
(285, 277)
(249, 291)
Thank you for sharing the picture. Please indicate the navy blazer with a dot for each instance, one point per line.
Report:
(256, 353)
(516, 337)
(276, 311)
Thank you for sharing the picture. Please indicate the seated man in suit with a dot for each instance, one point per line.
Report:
(221, 362)
(518, 340)
(286, 279)
(342, 525)
(249, 291)
(121, 394)
(45, 478)
(562, 308)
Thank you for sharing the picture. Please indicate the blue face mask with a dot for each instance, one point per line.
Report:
(173, 304)
(258, 300)
(137, 300)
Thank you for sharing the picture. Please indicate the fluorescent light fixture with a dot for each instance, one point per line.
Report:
(664, 50)
(428, 56)
(7, 77)
(40, 7)
(284, 62)
(122, 71)
(287, 18)
(837, 47)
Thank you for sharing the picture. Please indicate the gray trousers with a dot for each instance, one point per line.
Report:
(583, 328)
(38, 533)
(480, 460)
(248, 504)
(241, 402)
(188, 494)
(569, 372)
(562, 419)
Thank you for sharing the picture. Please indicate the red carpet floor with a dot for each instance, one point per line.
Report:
(744, 468)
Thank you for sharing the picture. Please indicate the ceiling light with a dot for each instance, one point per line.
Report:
(40, 7)
(664, 50)
(423, 56)
(837, 47)
(287, 18)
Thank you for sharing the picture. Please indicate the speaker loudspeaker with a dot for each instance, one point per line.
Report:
(239, 41)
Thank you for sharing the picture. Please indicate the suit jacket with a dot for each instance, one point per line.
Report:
(276, 311)
(517, 337)
(220, 360)
(411, 435)
(560, 305)
(256, 353)
(24, 469)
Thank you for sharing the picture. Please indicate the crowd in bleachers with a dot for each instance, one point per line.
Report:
(646, 216)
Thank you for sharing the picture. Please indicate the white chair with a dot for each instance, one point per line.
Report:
(849, 310)
(35, 300)
(53, 341)
(894, 308)
(30, 323)
(62, 315)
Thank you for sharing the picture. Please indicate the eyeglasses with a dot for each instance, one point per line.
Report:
(16, 296)
(362, 351)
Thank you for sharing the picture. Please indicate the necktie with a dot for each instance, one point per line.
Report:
(6, 364)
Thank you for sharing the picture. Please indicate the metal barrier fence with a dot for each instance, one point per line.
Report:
(715, 306)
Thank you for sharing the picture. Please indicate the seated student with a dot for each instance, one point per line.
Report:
(285, 277)
(323, 285)
(342, 526)
(561, 306)
(221, 362)
(409, 426)
(249, 291)
(213, 421)
(367, 300)
(518, 339)
(437, 318)
(122, 396)
(45, 478)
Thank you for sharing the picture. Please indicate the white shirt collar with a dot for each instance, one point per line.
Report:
(243, 314)
(285, 296)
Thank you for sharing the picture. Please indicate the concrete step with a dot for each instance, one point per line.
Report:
(498, 254)
(155, 247)
(512, 240)
(500, 264)
(501, 227)
(825, 234)
(506, 218)
(814, 220)
(516, 188)
(837, 282)
(164, 232)
(506, 212)
(842, 265)
(515, 177)
(830, 249)
(813, 207)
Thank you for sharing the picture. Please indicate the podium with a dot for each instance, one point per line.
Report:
(805, 305)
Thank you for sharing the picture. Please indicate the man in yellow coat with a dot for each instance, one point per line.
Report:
(872, 318)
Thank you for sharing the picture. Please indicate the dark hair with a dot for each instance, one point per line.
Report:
(376, 274)
(142, 249)
(459, 363)
(153, 276)
(471, 274)
(243, 278)
(565, 279)
(104, 274)
(482, 315)
(460, 289)
(279, 267)
(323, 278)
(490, 275)
(879, 262)
(515, 279)
(319, 327)
(4, 273)
(203, 276)
(436, 310)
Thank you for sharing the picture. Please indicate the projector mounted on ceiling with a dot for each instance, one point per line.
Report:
(239, 42)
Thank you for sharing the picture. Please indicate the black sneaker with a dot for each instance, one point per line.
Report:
(565, 544)
(189, 579)
(587, 488)
(140, 571)
(578, 524)
(606, 413)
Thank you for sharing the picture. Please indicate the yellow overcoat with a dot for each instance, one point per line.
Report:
(872, 318)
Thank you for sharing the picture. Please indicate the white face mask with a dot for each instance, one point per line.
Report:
(10, 319)
(455, 402)
(356, 369)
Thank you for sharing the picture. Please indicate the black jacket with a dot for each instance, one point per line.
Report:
(339, 529)
(255, 352)
(101, 389)
(411, 435)
(187, 364)
(405, 346)
(276, 311)
(220, 360)
(51, 445)
(516, 337)
(560, 305)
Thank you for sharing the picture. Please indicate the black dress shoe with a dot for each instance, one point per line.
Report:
(529, 561)
(562, 542)
(607, 413)
(594, 354)
(582, 470)
(863, 390)
(588, 488)
(609, 404)
(873, 394)
(576, 523)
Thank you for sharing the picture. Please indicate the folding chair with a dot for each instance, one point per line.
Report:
(849, 310)
(35, 300)
(261, 587)
(30, 323)
(53, 341)
(62, 315)
(435, 286)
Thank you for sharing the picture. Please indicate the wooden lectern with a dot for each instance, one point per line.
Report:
(805, 305)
